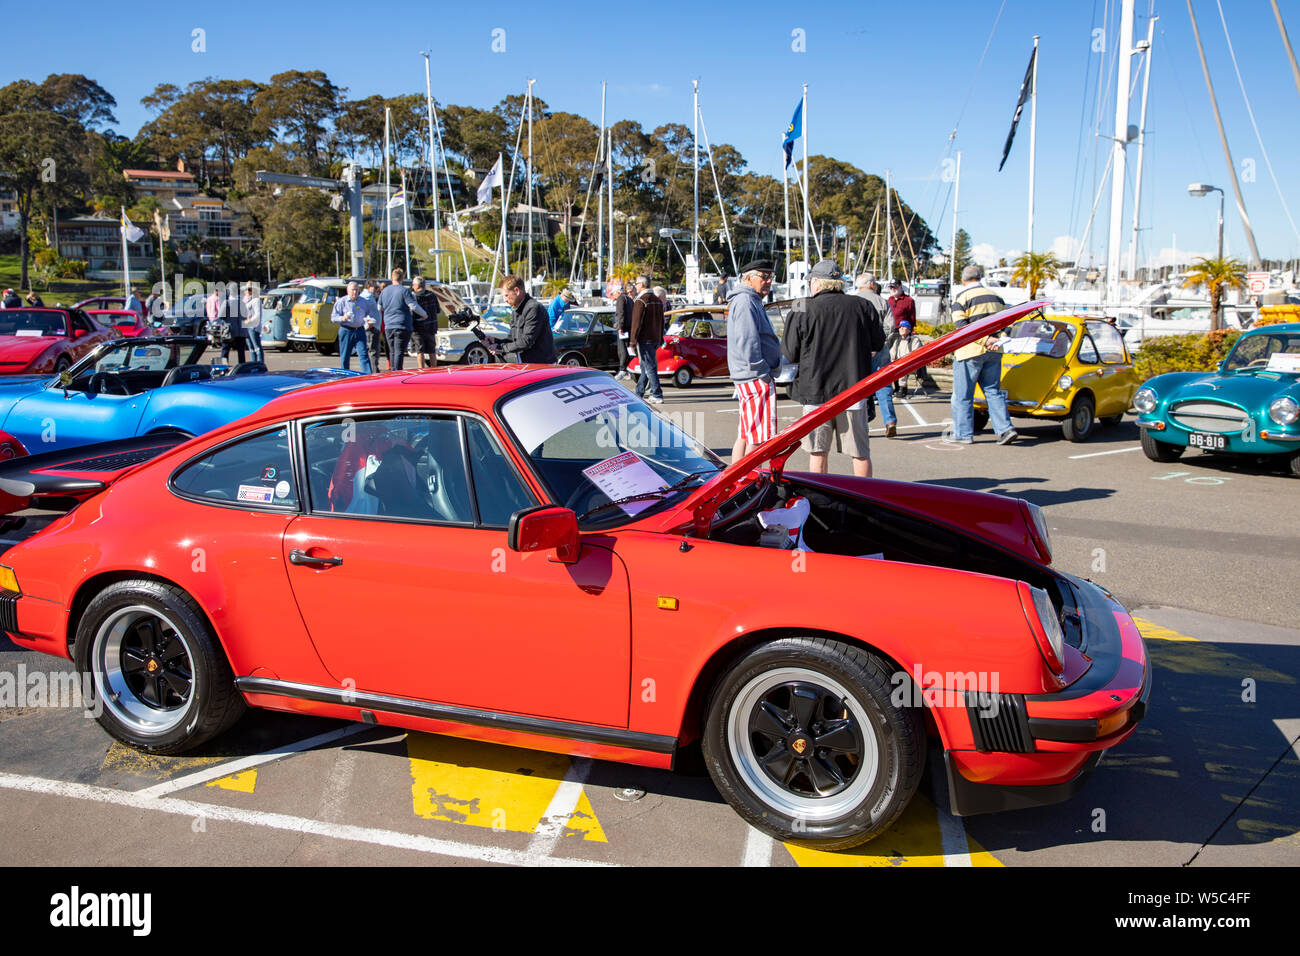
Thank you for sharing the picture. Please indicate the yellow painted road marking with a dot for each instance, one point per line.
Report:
(914, 840)
(239, 782)
(1150, 630)
(486, 785)
(123, 759)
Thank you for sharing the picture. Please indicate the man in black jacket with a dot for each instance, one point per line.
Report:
(622, 303)
(530, 331)
(833, 339)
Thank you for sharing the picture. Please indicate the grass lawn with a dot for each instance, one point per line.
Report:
(66, 291)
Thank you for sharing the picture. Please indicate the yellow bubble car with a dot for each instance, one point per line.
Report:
(1064, 368)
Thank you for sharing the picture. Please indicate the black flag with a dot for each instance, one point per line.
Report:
(1025, 87)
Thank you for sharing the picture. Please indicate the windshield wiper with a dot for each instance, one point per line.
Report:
(661, 493)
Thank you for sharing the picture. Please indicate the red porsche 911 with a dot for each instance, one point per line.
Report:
(47, 341)
(531, 555)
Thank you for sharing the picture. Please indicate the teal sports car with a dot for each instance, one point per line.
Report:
(1250, 406)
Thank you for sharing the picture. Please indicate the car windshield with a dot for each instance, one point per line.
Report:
(1274, 351)
(593, 442)
(32, 322)
(130, 355)
(1039, 337)
(125, 320)
(572, 323)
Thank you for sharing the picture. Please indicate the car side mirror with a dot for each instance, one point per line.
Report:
(65, 379)
(545, 528)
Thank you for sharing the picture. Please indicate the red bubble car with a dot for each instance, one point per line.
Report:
(530, 555)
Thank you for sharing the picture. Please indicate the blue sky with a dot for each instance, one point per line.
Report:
(887, 83)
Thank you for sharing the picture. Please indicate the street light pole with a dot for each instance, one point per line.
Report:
(1201, 189)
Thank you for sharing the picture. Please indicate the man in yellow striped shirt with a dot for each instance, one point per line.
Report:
(978, 363)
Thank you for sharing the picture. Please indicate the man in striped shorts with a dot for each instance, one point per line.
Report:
(753, 356)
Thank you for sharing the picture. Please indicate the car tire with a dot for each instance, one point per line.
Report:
(477, 355)
(159, 678)
(777, 688)
(1110, 421)
(1159, 450)
(572, 359)
(1083, 416)
(683, 377)
(1294, 464)
(981, 421)
(326, 348)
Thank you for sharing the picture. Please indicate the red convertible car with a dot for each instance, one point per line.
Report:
(532, 556)
(128, 323)
(47, 341)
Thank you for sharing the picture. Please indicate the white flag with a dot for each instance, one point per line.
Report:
(398, 199)
(132, 233)
(493, 178)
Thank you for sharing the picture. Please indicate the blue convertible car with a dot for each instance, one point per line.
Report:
(1250, 406)
(137, 386)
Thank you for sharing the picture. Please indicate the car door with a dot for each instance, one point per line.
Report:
(601, 352)
(1115, 380)
(402, 573)
(57, 418)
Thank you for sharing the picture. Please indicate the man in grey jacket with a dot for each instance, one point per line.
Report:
(397, 305)
(753, 356)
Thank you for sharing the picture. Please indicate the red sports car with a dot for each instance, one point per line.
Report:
(695, 346)
(128, 323)
(47, 341)
(530, 555)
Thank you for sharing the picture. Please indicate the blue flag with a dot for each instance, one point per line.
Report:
(793, 132)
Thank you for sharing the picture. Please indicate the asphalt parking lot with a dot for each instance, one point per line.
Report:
(1202, 551)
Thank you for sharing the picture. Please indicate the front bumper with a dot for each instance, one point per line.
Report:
(1034, 750)
(1270, 439)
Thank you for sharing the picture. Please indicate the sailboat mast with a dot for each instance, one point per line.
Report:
(529, 102)
(695, 119)
(952, 258)
(388, 194)
(889, 229)
(1142, 136)
(600, 204)
(1119, 151)
(433, 171)
(609, 178)
(785, 200)
(1033, 141)
(807, 213)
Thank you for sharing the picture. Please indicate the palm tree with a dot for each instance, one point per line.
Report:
(1035, 268)
(1218, 275)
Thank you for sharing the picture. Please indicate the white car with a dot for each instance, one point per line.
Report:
(462, 345)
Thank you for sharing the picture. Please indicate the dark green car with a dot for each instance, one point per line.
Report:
(585, 336)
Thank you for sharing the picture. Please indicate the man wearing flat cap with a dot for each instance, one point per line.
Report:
(833, 339)
(753, 356)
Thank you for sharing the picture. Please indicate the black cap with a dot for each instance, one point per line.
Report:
(758, 265)
(826, 269)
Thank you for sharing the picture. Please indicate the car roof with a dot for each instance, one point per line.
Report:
(711, 309)
(1279, 327)
(476, 385)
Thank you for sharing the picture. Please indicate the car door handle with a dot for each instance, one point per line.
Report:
(302, 557)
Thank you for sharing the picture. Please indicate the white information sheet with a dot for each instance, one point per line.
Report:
(1284, 362)
(623, 476)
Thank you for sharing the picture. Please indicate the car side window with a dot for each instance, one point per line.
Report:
(1108, 342)
(256, 472)
(403, 467)
(1088, 351)
(497, 487)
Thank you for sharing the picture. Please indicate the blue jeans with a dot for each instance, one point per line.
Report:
(255, 345)
(353, 340)
(986, 371)
(885, 396)
(645, 351)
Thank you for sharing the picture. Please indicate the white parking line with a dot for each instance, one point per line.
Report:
(244, 763)
(758, 849)
(556, 818)
(915, 414)
(1116, 451)
(282, 821)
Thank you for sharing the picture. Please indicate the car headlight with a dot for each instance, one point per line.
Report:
(1040, 611)
(1284, 410)
(1064, 382)
(1145, 400)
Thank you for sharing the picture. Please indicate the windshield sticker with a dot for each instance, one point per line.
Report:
(624, 476)
(282, 489)
(538, 415)
(34, 332)
(255, 493)
(1284, 362)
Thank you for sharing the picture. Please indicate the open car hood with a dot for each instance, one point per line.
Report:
(704, 501)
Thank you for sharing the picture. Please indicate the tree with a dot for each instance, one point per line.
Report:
(301, 232)
(961, 253)
(40, 161)
(1218, 276)
(299, 105)
(1035, 268)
